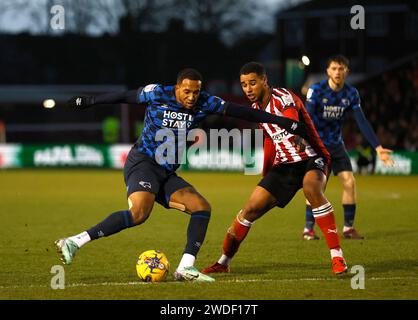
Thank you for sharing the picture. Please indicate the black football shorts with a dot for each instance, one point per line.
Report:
(340, 161)
(142, 173)
(284, 180)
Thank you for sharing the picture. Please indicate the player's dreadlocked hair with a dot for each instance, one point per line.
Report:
(253, 67)
(189, 73)
(340, 59)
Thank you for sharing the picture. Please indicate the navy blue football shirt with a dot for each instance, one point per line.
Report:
(328, 109)
(167, 122)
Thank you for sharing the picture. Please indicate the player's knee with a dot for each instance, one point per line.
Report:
(313, 194)
(349, 182)
(309, 192)
(251, 213)
(197, 204)
(139, 215)
(201, 204)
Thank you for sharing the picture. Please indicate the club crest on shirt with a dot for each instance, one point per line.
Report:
(287, 100)
(345, 102)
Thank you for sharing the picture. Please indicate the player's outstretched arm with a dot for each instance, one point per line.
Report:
(368, 132)
(254, 115)
(84, 102)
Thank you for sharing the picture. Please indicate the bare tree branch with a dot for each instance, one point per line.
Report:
(229, 18)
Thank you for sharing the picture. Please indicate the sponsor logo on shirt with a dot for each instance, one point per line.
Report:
(177, 120)
(279, 136)
(333, 112)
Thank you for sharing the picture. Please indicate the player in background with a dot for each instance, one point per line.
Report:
(150, 175)
(290, 163)
(328, 103)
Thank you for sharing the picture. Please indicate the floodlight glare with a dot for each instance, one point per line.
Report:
(49, 103)
(306, 61)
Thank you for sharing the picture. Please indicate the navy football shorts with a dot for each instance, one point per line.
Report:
(283, 181)
(340, 161)
(142, 173)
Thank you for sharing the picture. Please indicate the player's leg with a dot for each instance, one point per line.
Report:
(200, 211)
(260, 202)
(308, 231)
(343, 169)
(313, 185)
(273, 190)
(178, 194)
(140, 208)
(348, 197)
(142, 183)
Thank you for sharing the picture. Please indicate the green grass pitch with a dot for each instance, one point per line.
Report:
(39, 206)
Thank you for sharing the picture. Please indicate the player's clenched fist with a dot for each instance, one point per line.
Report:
(80, 102)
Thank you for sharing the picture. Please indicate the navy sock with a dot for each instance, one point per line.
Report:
(349, 214)
(114, 223)
(310, 220)
(196, 231)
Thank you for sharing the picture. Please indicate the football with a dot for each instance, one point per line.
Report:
(152, 266)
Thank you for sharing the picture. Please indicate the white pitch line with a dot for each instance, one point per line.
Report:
(133, 283)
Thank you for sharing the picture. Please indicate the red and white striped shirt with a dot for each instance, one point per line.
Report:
(284, 103)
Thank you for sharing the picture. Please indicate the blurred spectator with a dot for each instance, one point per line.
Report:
(366, 157)
(390, 101)
(2, 132)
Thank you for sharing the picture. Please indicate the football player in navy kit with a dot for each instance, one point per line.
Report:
(328, 102)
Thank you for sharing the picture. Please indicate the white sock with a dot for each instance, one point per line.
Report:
(336, 253)
(224, 260)
(81, 239)
(347, 228)
(186, 261)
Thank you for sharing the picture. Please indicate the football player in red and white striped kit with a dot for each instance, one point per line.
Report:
(290, 163)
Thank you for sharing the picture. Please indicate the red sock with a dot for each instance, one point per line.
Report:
(235, 235)
(324, 218)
